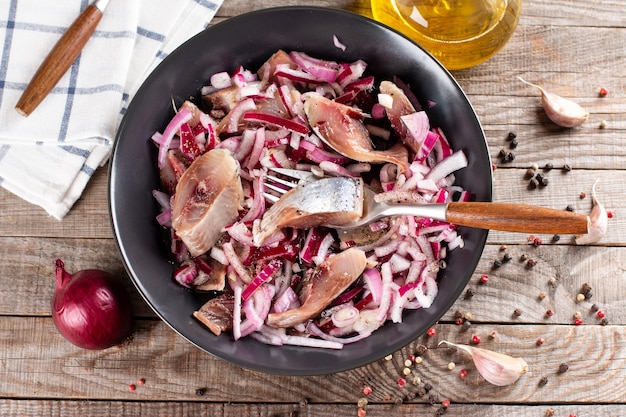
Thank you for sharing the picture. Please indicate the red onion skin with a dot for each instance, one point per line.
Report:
(91, 308)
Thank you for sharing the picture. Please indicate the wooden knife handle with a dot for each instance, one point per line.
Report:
(59, 59)
(516, 218)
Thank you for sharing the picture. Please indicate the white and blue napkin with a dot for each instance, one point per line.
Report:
(49, 157)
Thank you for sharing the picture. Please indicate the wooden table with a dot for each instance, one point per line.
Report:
(574, 47)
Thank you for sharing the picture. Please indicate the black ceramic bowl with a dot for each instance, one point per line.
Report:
(249, 40)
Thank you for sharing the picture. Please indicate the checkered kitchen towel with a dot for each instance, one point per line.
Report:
(49, 157)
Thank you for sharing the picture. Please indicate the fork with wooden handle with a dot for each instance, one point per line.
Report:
(483, 215)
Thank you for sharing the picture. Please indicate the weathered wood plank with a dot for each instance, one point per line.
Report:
(38, 363)
(37, 408)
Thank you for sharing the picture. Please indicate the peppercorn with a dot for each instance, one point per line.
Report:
(428, 387)
(580, 297)
(484, 278)
(549, 412)
(530, 173)
(462, 373)
(577, 315)
(401, 382)
(467, 316)
(563, 368)
(578, 322)
(421, 349)
(588, 295)
(445, 403)
(582, 195)
(458, 314)
(475, 339)
(523, 257)
(200, 392)
(431, 332)
(304, 401)
(451, 365)
(603, 124)
(502, 153)
(567, 167)
(531, 262)
(604, 321)
(533, 183)
(132, 387)
(594, 308)
(543, 381)
(469, 294)
(493, 334)
(497, 263)
(569, 207)
(440, 411)
(556, 238)
(549, 313)
(540, 341)
(421, 391)
(466, 325)
(548, 166)
(585, 288)
(367, 390)
(603, 92)
(432, 400)
(511, 136)
(362, 402)
(517, 312)
(542, 295)
(513, 144)
(544, 181)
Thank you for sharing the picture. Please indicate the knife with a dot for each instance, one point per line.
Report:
(61, 57)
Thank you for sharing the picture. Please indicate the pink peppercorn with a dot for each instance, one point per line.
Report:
(475, 339)
(362, 412)
(600, 314)
(550, 313)
(603, 92)
(462, 373)
(484, 278)
(540, 341)
(578, 322)
(367, 390)
(132, 387)
(431, 332)
(445, 403)
(401, 382)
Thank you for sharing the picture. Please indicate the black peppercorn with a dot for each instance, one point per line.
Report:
(428, 387)
(440, 411)
(545, 181)
(517, 312)
(432, 400)
(585, 288)
(507, 257)
(200, 392)
(421, 349)
(563, 368)
(594, 307)
(604, 321)
(511, 136)
(513, 144)
(548, 166)
(567, 167)
(569, 207)
(530, 173)
(543, 381)
(531, 262)
(497, 263)
(533, 183)
(466, 325)
(588, 295)
(469, 294)
(556, 238)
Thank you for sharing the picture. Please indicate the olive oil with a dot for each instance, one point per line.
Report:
(459, 33)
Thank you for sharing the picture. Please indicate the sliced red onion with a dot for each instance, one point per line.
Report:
(181, 117)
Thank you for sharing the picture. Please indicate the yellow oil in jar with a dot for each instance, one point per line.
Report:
(459, 33)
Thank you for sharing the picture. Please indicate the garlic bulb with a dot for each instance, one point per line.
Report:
(497, 368)
(560, 110)
(598, 224)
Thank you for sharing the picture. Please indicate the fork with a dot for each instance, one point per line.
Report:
(483, 215)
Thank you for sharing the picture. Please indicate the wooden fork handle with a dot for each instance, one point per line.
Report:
(60, 58)
(516, 218)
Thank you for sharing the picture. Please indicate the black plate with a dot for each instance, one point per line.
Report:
(249, 40)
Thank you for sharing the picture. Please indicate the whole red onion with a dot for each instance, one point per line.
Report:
(91, 308)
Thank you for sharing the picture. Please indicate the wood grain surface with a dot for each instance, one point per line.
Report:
(572, 48)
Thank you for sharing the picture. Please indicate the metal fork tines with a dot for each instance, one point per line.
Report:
(280, 185)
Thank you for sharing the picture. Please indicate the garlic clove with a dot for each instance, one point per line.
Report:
(560, 110)
(598, 222)
(497, 368)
